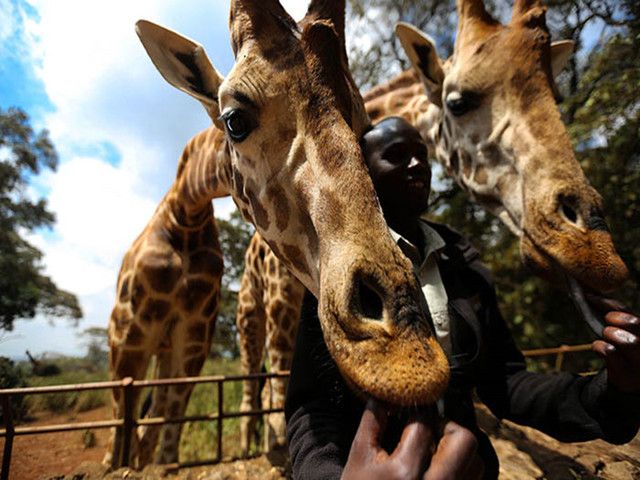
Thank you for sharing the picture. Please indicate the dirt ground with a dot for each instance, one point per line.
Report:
(524, 454)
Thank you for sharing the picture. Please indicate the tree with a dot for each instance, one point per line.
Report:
(96, 340)
(235, 235)
(24, 289)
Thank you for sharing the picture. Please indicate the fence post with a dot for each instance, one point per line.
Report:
(128, 422)
(8, 441)
(560, 357)
(220, 410)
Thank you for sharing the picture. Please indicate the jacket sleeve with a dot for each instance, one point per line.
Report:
(319, 427)
(566, 406)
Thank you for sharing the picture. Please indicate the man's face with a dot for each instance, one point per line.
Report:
(397, 159)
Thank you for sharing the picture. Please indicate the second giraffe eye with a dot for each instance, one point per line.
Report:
(460, 103)
(238, 123)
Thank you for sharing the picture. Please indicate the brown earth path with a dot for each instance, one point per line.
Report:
(39, 456)
(524, 454)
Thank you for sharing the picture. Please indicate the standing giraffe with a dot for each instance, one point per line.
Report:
(488, 115)
(285, 145)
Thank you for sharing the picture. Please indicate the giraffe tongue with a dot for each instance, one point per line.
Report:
(579, 300)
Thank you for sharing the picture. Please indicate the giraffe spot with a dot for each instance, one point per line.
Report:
(130, 364)
(209, 235)
(280, 204)
(211, 307)
(162, 271)
(332, 211)
(138, 294)
(124, 290)
(481, 177)
(192, 293)
(295, 256)
(207, 262)
(454, 162)
(285, 323)
(155, 310)
(260, 214)
(193, 350)
(273, 289)
(275, 311)
(271, 266)
(194, 365)
(197, 331)
(135, 336)
(174, 411)
(181, 389)
(466, 162)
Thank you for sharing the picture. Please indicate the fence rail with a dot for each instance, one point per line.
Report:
(130, 421)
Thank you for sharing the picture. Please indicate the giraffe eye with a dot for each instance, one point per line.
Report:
(238, 123)
(460, 103)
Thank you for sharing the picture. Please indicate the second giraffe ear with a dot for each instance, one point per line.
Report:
(561, 52)
(183, 63)
(421, 50)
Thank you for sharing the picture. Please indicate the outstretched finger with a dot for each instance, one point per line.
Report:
(454, 455)
(372, 426)
(413, 451)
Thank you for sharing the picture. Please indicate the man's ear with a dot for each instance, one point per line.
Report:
(183, 63)
(561, 52)
(421, 51)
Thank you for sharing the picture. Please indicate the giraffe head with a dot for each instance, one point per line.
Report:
(497, 129)
(292, 117)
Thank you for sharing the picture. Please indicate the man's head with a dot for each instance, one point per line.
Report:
(396, 157)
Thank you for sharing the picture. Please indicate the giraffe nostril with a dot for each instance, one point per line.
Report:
(366, 301)
(569, 213)
(567, 208)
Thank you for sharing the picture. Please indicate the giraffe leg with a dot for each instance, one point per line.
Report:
(250, 321)
(149, 434)
(191, 343)
(283, 314)
(125, 362)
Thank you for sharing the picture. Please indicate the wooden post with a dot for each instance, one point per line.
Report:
(560, 357)
(8, 441)
(220, 410)
(128, 421)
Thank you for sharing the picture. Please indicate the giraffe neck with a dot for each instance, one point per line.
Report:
(204, 173)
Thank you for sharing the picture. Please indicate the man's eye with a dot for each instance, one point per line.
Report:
(239, 124)
(460, 103)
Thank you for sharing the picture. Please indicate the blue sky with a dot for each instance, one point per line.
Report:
(78, 69)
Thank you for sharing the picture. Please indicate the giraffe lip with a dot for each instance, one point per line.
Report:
(576, 293)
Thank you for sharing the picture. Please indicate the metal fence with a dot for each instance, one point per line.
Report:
(130, 420)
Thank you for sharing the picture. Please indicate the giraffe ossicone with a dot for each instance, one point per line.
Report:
(287, 119)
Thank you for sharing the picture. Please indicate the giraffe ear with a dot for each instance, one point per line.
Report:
(421, 51)
(561, 52)
(183, 63)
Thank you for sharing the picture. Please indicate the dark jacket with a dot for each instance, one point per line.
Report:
(323, 414)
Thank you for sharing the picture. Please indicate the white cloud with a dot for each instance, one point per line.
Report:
(105, 90)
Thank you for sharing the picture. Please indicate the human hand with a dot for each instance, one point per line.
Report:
(454, 458)
(620, 345)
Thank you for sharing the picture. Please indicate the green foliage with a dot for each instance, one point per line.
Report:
(24, 290)
(73, 371)
(199, 439)
(95, 339)
(235, 235)
(13, 376)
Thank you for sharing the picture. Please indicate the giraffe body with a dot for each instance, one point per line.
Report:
(167, 298)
